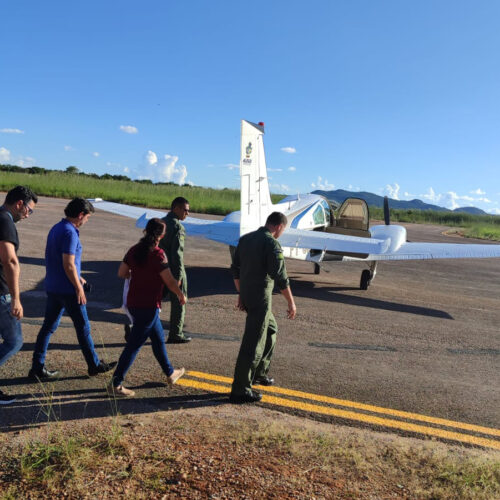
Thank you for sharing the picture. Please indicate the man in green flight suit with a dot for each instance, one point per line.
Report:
(173, 246)
(257, 264)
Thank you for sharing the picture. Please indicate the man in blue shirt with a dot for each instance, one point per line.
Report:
(65, 291)
(19, 204)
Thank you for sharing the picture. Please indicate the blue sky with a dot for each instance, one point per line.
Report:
(392, 97)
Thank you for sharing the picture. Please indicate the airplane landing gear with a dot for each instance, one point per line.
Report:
(317, 269)
(365, 280)
(367, 276)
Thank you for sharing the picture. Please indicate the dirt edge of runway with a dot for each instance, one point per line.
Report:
(236, 452)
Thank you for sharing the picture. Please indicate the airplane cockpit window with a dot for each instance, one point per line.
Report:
(319, 216)
(326, 207)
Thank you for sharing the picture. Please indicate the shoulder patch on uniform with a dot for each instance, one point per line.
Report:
(279, 253)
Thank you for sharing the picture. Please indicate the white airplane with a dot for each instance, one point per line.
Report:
(313, 233)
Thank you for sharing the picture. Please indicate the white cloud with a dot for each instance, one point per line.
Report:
(68, 148)
(126, 170)
(4, 155)
(232, 166)
(289, 150)
(478, 191)
(484, 200)
(25, 161)
(96, 154)
(162, 169)
(392, 191)
(281, 187)
(11, 131)
(322, 184)
(129, 129)
(21, 161)
(275, 170)
(291, 169)
(494, 211)
(430, 195)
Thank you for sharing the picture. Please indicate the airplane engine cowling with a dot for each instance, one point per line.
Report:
(394, 235)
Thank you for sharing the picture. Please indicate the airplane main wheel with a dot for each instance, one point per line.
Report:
(365, 280)
(317, 269)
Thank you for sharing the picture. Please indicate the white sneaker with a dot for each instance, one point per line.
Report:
(120, 391)
(176, 375)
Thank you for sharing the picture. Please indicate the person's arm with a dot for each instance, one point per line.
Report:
(124, 271)
(292, 309)
(10, 264)
(72, 274)
(235, 270)
(173, 285)
(277, 270)
(176, 262)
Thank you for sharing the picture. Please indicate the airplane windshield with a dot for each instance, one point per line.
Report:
(326, 207)
(319, 216)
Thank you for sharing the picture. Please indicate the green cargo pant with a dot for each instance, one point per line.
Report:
(257, 347)
(177, 312)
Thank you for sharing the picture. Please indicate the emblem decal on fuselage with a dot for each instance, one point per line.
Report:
(248, 152)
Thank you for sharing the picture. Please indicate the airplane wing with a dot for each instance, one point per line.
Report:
(316, 240)
(421, 251)
(370, 249)
(223, 232)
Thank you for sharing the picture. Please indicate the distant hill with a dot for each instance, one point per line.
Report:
(471, 210)
(374, 200)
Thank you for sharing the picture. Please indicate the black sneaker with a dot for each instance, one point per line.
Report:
(179, 340)
(249, 397)
(102, 367)
(42, 374)
(265, 380)
(5, 399)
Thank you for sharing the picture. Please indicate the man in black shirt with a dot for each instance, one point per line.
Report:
(19, 204)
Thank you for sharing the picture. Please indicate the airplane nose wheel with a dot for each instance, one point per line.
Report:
(366, 278)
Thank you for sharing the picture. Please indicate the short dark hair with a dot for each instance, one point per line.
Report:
(23, 193)
(179, 201)
(78, 205)
(276, 218)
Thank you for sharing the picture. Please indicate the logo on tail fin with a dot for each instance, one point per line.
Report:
(248, 152)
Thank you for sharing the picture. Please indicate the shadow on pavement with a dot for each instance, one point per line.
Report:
(206, 281)
(31, 411)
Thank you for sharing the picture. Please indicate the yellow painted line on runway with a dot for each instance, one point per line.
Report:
(359, 406)
(350, 415)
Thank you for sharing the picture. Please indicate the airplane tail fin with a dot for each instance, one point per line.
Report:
(256, 202)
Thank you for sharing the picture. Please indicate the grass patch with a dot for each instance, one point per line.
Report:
(483, 231)
(228, 457)
(160, 195)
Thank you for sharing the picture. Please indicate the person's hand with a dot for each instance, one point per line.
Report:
(80, 296)
(83, 280)
(240, 305)
(16, 309)
(182, 299)
(292, 310)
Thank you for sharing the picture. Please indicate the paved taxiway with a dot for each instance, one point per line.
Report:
(424, 339)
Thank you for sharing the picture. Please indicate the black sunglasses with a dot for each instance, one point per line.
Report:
(30, 210)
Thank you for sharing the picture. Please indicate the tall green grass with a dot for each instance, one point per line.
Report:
(454, 219)
(66, 185)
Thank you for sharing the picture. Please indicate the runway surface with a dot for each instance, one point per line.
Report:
(423, 341)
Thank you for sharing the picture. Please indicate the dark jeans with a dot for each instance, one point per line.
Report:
(147, 324)
(10, 331)
(56, 305)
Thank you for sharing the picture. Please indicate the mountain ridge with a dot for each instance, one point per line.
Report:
(375, 200)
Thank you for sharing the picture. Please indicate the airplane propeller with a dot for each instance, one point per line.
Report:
(387, 215)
